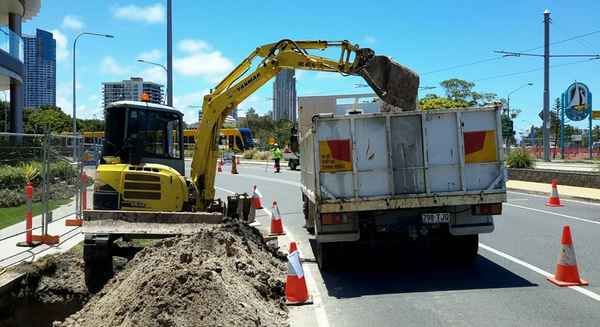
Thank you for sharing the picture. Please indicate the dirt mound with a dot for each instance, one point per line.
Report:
(53, 279)
(223, 276)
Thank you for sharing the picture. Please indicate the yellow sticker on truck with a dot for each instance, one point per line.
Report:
(480, 146)
(335, 155)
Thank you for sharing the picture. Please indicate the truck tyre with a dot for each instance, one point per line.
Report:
(325, 255)
(465, 248)
(97, 258)
(306, 210)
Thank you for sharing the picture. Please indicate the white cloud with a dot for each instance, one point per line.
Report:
(110, 66)
(201, 61)
(152, 55)
(72, 23)
(370, 39)
(148, 14)
(61, 45)
(183, 102)
(189, 45)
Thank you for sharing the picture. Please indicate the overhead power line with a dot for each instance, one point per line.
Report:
(477, 62)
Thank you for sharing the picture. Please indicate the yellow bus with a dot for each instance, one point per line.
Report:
(238, 139)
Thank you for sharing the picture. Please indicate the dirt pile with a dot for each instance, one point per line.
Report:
(223, 276)
(55, 278)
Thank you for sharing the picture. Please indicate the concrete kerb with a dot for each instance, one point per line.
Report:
(562, 196)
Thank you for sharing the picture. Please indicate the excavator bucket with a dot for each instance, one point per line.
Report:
(395, 84)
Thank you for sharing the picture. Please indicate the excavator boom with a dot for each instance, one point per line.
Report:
(393, 83)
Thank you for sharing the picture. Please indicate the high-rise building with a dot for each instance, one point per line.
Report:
(40, 69)
(284, 96)
(132, 90)
(12, 69)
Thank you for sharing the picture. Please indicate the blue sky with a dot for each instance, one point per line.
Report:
(211, 37)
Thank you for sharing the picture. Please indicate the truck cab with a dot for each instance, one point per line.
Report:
(142, 132)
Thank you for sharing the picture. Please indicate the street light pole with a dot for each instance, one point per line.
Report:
(169, 53)
(508, 111)
(166, 71)
(74, 86)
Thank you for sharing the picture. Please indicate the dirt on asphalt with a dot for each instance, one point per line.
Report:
(224, 276)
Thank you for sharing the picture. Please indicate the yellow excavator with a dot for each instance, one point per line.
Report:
(141, 189)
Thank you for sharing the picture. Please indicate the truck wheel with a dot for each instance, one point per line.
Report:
(305, 209)
(325, 255)
(465, 248)
(98, 265)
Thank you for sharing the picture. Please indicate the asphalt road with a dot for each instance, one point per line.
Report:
(506, 286)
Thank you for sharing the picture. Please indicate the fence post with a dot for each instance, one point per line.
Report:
(28, 218)
(45, 238)
(84, 182)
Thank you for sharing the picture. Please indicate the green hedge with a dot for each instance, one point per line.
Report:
(519, 158)
(13, 177)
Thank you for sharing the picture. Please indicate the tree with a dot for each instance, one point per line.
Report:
(37, 121)
(436, 103)
(458, 89)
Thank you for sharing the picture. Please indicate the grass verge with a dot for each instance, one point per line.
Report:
(13, 215)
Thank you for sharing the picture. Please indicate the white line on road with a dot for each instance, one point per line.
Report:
(540, 271)
(269, 179)
(320, 313)
(554, 213)
(546, 197)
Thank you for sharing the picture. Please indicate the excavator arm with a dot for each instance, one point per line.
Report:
(394, 83)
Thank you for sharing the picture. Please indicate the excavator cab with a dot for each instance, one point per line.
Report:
(141, 132)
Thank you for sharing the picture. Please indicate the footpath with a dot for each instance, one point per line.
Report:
(583, 193)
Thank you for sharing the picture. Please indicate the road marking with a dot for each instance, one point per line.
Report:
(321, 315)
(546, 197)
(553, 213)
(538, 270)
(269, 179)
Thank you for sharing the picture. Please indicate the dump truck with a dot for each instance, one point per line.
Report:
(436, 176)
(142, 190)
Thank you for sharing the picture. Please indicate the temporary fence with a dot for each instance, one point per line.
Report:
(52, 165)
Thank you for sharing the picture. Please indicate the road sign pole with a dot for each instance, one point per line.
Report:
(590, 138)
(562, 125)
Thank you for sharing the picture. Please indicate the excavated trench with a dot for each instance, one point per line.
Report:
(224, 276)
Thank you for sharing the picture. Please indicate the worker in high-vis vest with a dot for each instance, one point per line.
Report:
(277, 156)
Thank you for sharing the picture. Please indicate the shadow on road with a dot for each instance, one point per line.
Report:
(378, 271)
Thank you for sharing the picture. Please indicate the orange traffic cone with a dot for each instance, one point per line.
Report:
(276, 224)
(554, 200)
(293, 247)
(256, 198)
(566, 268)
(296, 292)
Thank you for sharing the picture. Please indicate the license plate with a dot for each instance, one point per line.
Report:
(435, 218)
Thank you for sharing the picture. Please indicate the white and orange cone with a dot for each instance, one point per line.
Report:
(554, 200)
(256, 198)
(296, 292)
(567, 273)
(276, 223)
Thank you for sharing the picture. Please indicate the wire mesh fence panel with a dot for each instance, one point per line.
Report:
(47, 162)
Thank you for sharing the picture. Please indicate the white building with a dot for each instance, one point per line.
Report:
(132, 90)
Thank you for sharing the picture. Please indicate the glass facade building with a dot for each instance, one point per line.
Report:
(40, 69)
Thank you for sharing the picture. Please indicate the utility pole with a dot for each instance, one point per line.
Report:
(547, 55)
(169, 53)
(546, 114)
